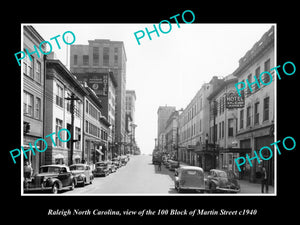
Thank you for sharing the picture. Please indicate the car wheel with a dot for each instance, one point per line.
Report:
(54, 189)
(72, 185)
(212, 187)
(91, 180)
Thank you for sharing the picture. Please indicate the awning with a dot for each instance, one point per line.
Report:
(76, 157)
(235, 150)
(99, 151)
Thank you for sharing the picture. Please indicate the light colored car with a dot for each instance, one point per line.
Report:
(189, 178)
(82, 173)
(112, 167)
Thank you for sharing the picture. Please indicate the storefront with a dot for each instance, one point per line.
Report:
(35, 160)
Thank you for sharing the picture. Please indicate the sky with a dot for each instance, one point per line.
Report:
(169, 69)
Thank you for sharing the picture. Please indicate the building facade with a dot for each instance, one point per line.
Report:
(223, 125)
(130, 121)
(94, 147)
(256, 119)
(171, 135)
(193, 129)
(61, 86)
(102, 55)
(33, 97)
(103, 85)
(163, 114)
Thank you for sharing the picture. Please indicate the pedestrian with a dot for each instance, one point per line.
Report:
(27, 170)
(264, 180)
(159, 165)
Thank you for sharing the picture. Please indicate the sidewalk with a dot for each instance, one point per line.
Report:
(255, 188)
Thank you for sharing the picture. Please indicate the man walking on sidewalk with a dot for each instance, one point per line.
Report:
(264, 180)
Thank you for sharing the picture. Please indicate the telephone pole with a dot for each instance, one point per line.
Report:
(72, 99)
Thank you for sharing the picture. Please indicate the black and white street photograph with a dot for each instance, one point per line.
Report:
(131, 114)
(174, 108)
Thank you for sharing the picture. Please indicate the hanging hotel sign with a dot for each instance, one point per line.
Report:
(233, 100)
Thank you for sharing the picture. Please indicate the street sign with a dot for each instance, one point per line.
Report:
(233, 100)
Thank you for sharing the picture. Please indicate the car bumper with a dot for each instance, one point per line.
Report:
(228, 190)
(42, 188)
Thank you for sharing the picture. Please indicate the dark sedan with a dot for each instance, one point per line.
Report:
(51, 178)
(223, 181)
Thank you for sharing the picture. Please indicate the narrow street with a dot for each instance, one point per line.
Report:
(140, 176)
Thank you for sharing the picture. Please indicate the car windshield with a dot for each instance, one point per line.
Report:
(77, 167)
(191, 173)
(221, 174)
(49, 169)
(101, 164)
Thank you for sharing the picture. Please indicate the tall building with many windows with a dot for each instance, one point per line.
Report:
(102, 56)
(256, 118)
(61, 85)
(163, 114)
(33, 97)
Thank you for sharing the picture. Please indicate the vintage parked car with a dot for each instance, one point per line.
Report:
(189, 178)
(116, 162)
(172, 165)
(82, 173)
(123, 160)
(111, 166)
(101, 169)
(51, 178)
(222, 181)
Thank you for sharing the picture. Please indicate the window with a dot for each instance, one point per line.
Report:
(85, 59)
(95, 56)
(38, 70)
(86, 126)
(28, 66)
(267, 65)
(105, 56)
(75, 59)
(249, 78)
(248, 116)
(59, 95)
(58, 127)
(257, 73)
(241, 119)
(223, 128)
(38, 108)
(116, 59)
(220, 130)
(266, 77)
(266, 108)
(256, 113)
(242, 91)
(28, 104)
(230, 127)
(77, 134)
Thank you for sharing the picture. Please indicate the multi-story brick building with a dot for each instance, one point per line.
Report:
(102, 55)
(163, 114)
(193, 129)
(256, 119)
(33, 96)
(61, 85)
